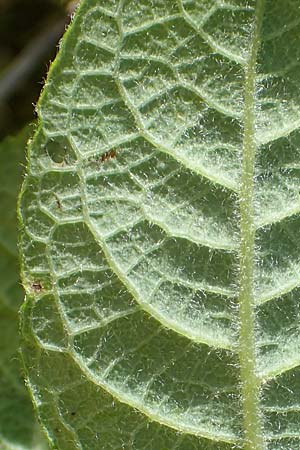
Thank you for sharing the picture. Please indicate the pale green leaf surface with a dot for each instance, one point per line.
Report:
(161, 229)
(18, 427)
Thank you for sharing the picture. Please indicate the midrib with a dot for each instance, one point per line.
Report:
(250, 382)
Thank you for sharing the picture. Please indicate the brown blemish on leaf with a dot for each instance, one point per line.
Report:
(36, 286)
(111, 154)
(58, 202)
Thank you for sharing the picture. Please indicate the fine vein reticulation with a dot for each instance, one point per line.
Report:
(160, 229)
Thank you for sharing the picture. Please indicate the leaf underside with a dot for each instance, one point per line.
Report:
(18, 426)
(161, 227)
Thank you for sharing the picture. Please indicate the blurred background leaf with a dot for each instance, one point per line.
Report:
(29, 33)
(18, 426)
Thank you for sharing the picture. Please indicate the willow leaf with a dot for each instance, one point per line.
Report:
(161, 229)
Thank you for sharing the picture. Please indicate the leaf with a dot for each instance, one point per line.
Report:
(18, 427)
(161, 229)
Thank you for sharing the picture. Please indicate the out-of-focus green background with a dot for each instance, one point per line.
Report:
(29, 34)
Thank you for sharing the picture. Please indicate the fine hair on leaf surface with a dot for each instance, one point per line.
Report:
(161, 229)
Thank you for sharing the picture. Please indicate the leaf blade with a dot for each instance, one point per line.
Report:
(144, 148)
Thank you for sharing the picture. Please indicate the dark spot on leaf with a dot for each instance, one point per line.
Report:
(37, 286)
(111, 154)
(58, 202)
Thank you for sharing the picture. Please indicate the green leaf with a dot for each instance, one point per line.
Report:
(18, 427)
(161, 229)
